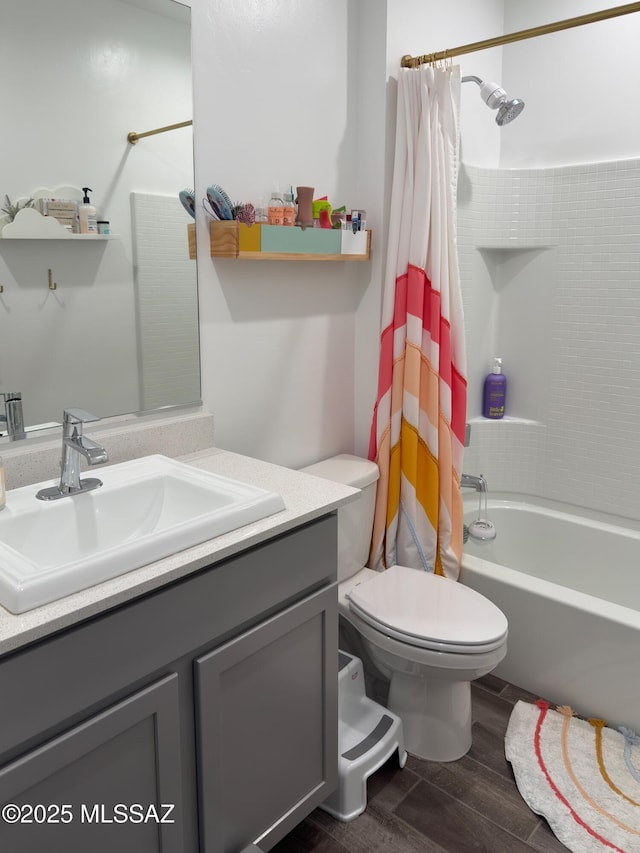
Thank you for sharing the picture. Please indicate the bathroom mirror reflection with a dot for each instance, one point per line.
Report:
(107, 325)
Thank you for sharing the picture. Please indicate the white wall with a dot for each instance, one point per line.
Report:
(67, 116)
(290, 351)
(302, 92)
(579, 85)
(275, 102)
(549, 257)
(550, 264)
(416, 27)
(296, 91)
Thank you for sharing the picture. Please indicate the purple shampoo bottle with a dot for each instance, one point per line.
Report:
(495, 392)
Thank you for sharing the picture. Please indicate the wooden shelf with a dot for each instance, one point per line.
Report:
(281, 243)
(296, 256)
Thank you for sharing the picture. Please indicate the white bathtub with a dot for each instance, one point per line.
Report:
(568, 581)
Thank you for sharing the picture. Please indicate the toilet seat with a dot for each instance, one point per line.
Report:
(429, 611)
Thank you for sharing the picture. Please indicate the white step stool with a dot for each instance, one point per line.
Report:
(368, 734)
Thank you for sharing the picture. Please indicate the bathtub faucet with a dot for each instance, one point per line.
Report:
(481, 529)
(472, 482)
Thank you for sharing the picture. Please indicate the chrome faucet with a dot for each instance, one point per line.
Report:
(75, 445)
(13, 416)
(472, 482)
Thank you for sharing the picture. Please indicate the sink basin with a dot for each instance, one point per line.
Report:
(145, 510)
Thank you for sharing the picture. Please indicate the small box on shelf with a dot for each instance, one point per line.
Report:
(355, 242)
(300, 241)
(231, 239)
(249, 237)
(224, 239)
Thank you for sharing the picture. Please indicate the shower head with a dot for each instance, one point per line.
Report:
(496, 98)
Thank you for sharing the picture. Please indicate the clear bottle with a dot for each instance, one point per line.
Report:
(275, 210)
(261, 210)
(3, 492)
(288, 210)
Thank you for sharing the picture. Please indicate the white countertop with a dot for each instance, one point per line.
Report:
(305, 498)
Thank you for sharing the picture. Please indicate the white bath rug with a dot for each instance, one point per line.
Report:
(582, 776)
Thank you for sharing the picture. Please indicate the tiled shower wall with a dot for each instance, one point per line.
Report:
(550, 269)
(167, 301)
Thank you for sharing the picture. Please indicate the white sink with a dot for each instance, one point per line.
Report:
(145, 510)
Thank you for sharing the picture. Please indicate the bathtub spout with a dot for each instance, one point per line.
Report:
(472, 482)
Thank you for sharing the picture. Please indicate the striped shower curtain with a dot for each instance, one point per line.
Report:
(417, 434)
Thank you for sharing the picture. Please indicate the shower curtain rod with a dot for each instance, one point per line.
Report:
(133, 137)
(591, 18)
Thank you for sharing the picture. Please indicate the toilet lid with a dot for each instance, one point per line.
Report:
(430, 611)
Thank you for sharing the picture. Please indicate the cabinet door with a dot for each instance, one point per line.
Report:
(105, 785)
(267, 726)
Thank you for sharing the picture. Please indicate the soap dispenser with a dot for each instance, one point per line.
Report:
(495, 392)
(87, 214)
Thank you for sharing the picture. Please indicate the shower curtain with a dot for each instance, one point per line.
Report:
(417, 433)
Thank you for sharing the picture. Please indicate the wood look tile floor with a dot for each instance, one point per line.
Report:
(466, 806)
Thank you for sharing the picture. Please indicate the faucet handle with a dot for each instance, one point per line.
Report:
(78, 416)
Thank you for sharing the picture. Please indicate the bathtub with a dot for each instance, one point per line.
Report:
(568, 581)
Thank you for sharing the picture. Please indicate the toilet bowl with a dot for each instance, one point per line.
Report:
(428, 635)
(429, 669)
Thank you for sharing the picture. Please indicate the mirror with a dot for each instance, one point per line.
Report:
(110, 324)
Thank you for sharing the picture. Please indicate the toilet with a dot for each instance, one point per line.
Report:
(427, 635)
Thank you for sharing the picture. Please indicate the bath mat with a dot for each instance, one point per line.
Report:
(581, 775)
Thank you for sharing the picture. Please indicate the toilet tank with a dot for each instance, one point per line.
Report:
(355, 519)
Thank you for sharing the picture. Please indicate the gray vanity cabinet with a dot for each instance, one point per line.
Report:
(216, 694)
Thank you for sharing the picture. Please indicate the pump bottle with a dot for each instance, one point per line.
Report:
(87, 214)
(495, 392)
